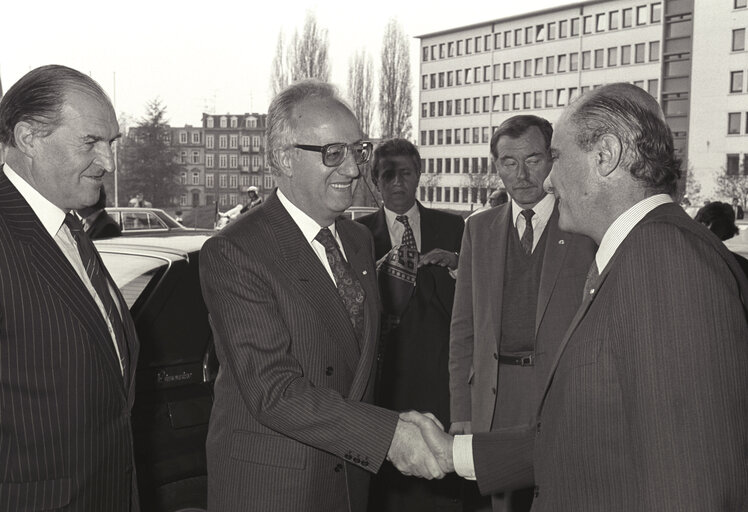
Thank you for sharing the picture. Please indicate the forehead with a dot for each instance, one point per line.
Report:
(398, 162)
(325, 121)
(563, 134)
(87, 113)
(528, 143)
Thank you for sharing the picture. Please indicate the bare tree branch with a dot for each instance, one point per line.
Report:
(279, 75)
(360, 88)
(395, 104)
(308, 54)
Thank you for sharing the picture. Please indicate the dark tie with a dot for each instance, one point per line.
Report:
(94, 269)
(528, 234)
(349, 289)
(591, 281)
(408, 239)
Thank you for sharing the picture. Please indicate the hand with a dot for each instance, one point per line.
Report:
(439, 442)
(439, 257)
(409, 452)
(461, 428)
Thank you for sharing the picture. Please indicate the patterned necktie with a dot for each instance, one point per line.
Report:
(408, 240)
(349, 288)
(528, 234)
(591, 280)
(94, 269)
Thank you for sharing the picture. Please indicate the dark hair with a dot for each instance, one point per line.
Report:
(37, 98)
(516, 126)
(634, 116)
(719, 218)
(390, 148)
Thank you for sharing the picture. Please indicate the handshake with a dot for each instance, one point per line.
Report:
(420, 447)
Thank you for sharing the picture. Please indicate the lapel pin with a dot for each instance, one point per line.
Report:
(364, 272)
(561, 242)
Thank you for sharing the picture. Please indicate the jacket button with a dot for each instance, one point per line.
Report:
(338, 468)
(536, 491)
(328, 371)
(496, 356)
(537, 428)
(493, 390)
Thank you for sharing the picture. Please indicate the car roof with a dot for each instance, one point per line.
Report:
(178, 246)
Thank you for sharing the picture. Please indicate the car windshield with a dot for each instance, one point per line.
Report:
(132, 273)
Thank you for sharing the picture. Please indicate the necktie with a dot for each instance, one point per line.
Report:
(590, 282)
(408, 240)
(94, 269)
(528, 234)
(349, 289)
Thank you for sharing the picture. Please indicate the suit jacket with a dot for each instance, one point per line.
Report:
(103, 226)
(421, 340)
(65, 435)
(646, 407)
(290, 428)
(477, 317)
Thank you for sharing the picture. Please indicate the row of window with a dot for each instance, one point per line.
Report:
(613, 20)
(457, 165)
(232, 141)
(267, 183)
(224, 180)
(194, 158)
(195, 178)
(232, 161)
(232, 122)
(548, 98)
(737, 123)
(734, 167)
(183, 137)
(552, 64)
(454, 194)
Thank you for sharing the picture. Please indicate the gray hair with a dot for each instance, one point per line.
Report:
(38, 97)
(280, 120)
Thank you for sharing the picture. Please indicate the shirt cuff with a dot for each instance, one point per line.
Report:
(462, 454)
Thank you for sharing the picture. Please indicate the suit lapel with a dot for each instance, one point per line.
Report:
(553, 259)
(501, 228)
(381, 233)
(429, 231)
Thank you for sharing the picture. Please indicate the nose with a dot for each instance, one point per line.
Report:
(522, 170)
(105, 156)
(349, 167)
(548, 184)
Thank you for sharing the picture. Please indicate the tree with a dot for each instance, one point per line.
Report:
(308, 55)
(394, 84)
(279, 76)
(360, 88)
(149, 161)
(734, 185)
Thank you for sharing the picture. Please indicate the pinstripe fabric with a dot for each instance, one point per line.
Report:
(65, 437)
(291, 428)
(647, 407)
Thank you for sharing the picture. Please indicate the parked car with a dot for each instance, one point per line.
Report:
(739, 243)
(158, 276)
(354, 212)
(138, 221)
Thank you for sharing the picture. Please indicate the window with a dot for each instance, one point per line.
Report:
(450, 78)
(527, 100)
(639, 53)
(245, 161)
(478, 44)
(183, 178)
(440, 137)
(572, 94)
(573, 61)
(256, 141)
(466, 135)
(517, 68)
(518, 37)
(484, 135)
(561, 68)
(552, 31)
(210, 122)
(486, 103)
(738, 40)
(183, 137)
(627, 17)
(450, 49)
(233, 181)
(506, 102)
(221, 181)
(468, 46)
(209, 180)
(222, 161)
(549, 61)
(459, 47)
(733, 123)
(431, 138)
(587, 24)
(652, 87)
(234, 122)
(736, 81)
(600, 22)
(733, 164)
(449, 107)
(497, 41)
(528, 67)
(486, 73)
(548, 98)
(433, 52)
(195, 157)
(563, 28)
(458, 77)
(458, 107)
(448, 137)
(654, 51)
(599, 58)
(440, 108)
(457, 141)
(222, 141)
(612, 56)
(539, 66)
(507, 70)
(209, 161)
(441, 51)
(183, 157)
(516, 101)
(209, 142)
(497, 103)
(641, 15)
(468, 76)
(528, 35)
(586, 59)
(441, 79)
(538, 99)
(625, 55)
(574, 27)
(613, 20)
(233, 161)
(250, 122)
(425, 82)
(268, 182)
(476, 106)
(196, 137)
(497, 71)
(740, 4)
(255, 161)
(223, 121)
(233, 141)
(507, 39)
(655, 13)
(560, 97)
(432, 80)
(539, 33)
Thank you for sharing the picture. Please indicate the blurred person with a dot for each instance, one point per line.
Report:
(68, 347)
(253, 198)
(737, 209)
(646, 406)
(292, 294)
(97, 222)
(415, 333)
(720, 219)
(498, 197)
(519, 284)
(178, 216)
(139, 202)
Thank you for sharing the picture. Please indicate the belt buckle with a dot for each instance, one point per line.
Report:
(527, 360)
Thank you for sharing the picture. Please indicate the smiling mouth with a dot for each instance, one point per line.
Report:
(340, 186)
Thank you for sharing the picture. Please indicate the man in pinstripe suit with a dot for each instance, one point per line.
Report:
(68, 348)
(292, 294)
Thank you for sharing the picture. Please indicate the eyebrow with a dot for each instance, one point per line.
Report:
(96, 138)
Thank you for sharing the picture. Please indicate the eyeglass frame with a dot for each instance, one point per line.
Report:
(323, 150)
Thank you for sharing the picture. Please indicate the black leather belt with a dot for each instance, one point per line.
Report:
(528, 360)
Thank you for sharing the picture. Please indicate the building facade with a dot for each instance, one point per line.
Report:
(188, 141)
(473, 78)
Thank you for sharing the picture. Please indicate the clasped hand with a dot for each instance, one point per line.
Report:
(420, 447)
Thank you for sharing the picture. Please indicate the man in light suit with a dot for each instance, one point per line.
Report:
(518, 287)
(415, 348)
(646, 406)
(68, 348)
(293, 299)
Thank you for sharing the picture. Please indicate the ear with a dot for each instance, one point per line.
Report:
(284, 162)
(607, 154)
(26, 138)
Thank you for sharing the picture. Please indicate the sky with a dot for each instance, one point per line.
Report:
(210, 56)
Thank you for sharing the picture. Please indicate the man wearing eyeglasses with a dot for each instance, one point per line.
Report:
(292, 294)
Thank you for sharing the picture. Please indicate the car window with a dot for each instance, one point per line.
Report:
(132, 273)
(154, 222)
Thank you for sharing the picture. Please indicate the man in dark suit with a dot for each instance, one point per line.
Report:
(737, 208)
(519, 285)
(646, 406)
(98, 223)
(68, 348)
(293, 299)
(415, 342)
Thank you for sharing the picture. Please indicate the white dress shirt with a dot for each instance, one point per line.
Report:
(309, 228)
(397, 228)
(53, 220)
(543, 211)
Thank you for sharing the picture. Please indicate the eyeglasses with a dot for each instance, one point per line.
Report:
(334, 154)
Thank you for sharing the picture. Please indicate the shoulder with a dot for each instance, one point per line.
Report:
(485, 218)
(368, 220)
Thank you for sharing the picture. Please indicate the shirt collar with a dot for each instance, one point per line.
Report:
(414, 217)
(50, 215)
(543, 209)
(308, 226)
(623, 225)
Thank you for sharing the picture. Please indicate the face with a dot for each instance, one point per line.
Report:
(68, 165)
(523, 165)
(570, 178)
(398, 182)
(321, 192)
